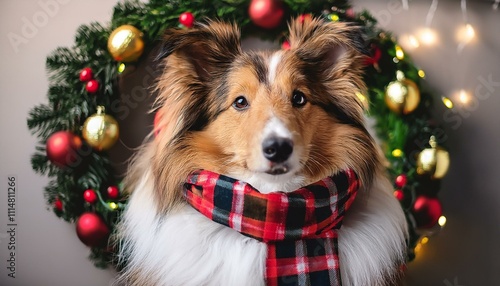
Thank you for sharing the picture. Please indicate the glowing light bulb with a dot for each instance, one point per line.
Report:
(424, 240)
(442, 221)
(417, 248)
(113, 205)
(428, 36)
(400, 75)
(447, 102)
(465, 34)
(399, 53)
(397, 153)
(421, 73)
(121, 68)
(464, 97)
(413, 41)
(333, 17)
(469, 31)
(409, 42)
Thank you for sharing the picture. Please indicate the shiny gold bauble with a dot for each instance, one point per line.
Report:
(433, 161)
(125, 43)
(100, 130)
(402, 96)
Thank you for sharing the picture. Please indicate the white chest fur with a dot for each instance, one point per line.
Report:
(185, 248)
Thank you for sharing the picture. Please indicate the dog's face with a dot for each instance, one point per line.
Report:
(263, 116)
(268, 119)
(272, 125)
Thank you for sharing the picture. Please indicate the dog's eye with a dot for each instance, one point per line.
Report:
(298, 98)
(240, 103)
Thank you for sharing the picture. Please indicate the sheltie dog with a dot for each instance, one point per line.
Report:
(219, 107)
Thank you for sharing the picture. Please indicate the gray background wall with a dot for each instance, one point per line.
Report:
(466, 252)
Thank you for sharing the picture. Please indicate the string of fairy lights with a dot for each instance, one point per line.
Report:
(427, 36)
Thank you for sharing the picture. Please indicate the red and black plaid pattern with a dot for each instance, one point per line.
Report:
(299, 227)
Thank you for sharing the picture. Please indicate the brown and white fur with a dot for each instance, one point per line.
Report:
(166, 242)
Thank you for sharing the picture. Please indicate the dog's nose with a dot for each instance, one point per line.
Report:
(277, 149)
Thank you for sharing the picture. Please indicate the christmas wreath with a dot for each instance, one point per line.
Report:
(76, 128)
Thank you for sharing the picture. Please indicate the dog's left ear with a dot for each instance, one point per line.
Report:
(332, 55)
(333, 47)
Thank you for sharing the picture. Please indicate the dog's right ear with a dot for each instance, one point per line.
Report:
(195, 62)
(208, 48)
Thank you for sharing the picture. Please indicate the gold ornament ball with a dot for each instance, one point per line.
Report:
(433, 161)
(100, 130)
(125, 43)
(402, 96)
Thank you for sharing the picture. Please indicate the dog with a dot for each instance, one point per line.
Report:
(220, 108)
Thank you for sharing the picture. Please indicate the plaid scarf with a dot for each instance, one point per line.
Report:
(299, 227)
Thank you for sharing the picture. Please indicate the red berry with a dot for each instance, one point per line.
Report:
(90, 196)
(401, 181)
(58, 205)
(187, 19)
(285, 45)
(376, 55)
(86, 74)
(399, 195)
(92, 86)
(113, 192)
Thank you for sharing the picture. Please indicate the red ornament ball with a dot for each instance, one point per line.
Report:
(86, 74)
(92, 86)
(267, 14)
(92, 230)
(90, 196)
(113, 192)
(399, 195)
(401, 181)
(58, 205)
(187, 19)
(63, 149)
(427, 211)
